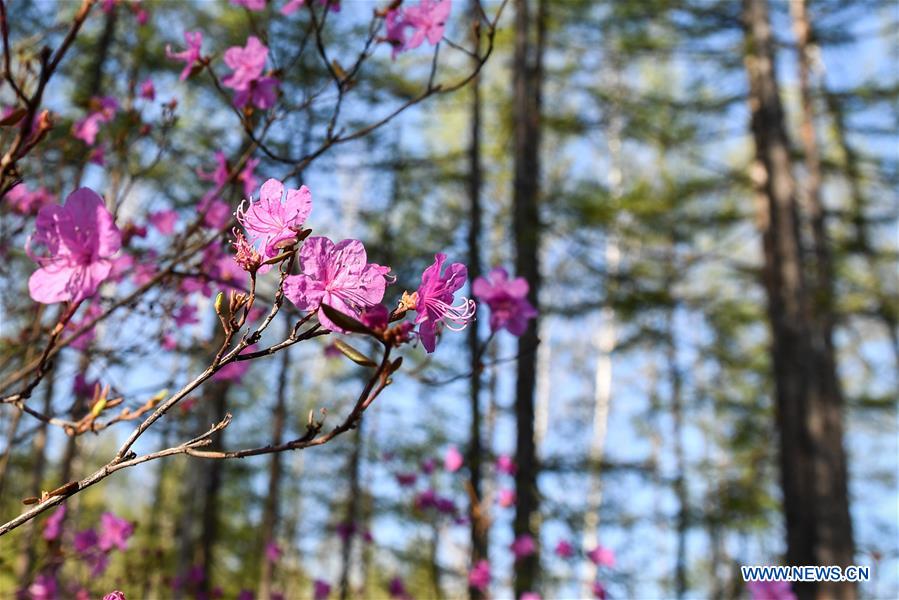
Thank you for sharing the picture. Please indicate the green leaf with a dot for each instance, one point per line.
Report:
(354, 355)
(345, 321)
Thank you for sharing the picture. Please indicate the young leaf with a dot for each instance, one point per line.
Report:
(354, 355)
(345, 321)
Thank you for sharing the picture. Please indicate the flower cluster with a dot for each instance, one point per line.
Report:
(247, 81)
(104, 111)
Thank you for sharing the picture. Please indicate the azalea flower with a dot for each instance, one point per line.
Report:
(85, 541)
(505, 464)
(191, 55)
(507, 299)
(479, 576)
(87, 128)
(338, 275)
(406, 479)
(530, 596)
(115, 595)
(506, 498)
(77, 241)
(273, 552)
(26, 202)
(291, 7)
(433, 301)
(148, 90)
(114, 532)
(564, 549)
(320, 589)
(254, 5)
(43, 588)
(599, 591)
(164, 220)
(428, 19)
(248, 62)
(770, 590)
(397, 589)
(602, 556)
(523, 546)
(53, 525)
(453, 460)
(273, 222)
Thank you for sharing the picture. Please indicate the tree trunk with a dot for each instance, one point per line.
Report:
(352, 511)
(215, 402)
(808, 395)
(271, 512)
(527, 67)
(477, 507)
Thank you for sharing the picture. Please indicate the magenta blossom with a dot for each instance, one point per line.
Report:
(148, 90)
(433, 301)
(292, 6)
(523, 546)
(505, 464)
(320, 589)
(395, 31)
(85, 541)
(428, 19)
(406, 479)
(530, 596)
(338, 275)
(770, 590)
(53, 525)
(506, 498)
(76, 243)
(164, 220)
(27, 202)
(599, 591)
(273, 222)
(507, 299)
(247, 62)
(397, 589)
(602, 556)
(479, 576)
(254, 5)
(191, 55)
(273, 552)
(246, 80)
(87, 128)
(564, 549)
(114, 532)
(115, 595)
(43, 588)
(453, 460)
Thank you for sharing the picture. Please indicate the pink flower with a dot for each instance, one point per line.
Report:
(507, 299)
(85, 541)
(530, 596)
(245, 255)
(406, 479)
(427, 466)
(234, 371)
(53, 525)
(428, 19)
(506, 498)
(395, 31)
(453, 460)
(291, 7)
(43, 588)
(186, 315)
(82, 342)
(599, 591)
(247, 62)
(98, 156)
(564, 549)
(338, 275)
(164, 221)
(246, 595)
(272, 222)
(523, 546)
(191, 55)
(26, 202)
(114, 532)
(320, 589)
(273, 552)
(219, 175)
(397, 589)
(148, 90)
(770, 590)
(254, 5)
(505, 464)
(261, 93)
(433, 301)
(115, 595)
(247, 178)
(77, 241)
(602, 556)
(479, 576)
(87, 128)
(216, 213)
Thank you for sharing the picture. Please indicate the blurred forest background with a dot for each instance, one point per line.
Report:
(711, 243)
